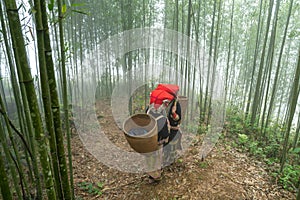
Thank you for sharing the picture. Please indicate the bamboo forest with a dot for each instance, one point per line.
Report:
(149, 99)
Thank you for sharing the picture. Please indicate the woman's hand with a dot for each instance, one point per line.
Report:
(174, 109)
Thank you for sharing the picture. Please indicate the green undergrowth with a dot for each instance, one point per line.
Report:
(91, 188)
(264, 145)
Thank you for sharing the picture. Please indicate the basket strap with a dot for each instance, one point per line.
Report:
(158, 118)
(168, 122)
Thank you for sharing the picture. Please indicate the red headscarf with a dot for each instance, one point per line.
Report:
(170, 88)
(163, 92)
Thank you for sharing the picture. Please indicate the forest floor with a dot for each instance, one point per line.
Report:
(226, 173)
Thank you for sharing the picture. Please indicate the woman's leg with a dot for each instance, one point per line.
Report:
(170, 150)
(154, 163)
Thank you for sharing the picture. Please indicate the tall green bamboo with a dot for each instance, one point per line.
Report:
(66, 186)
(210, 54)
(188, 53)
(176, 41)
(215, 57)
(229, 54)
(23, 68)
(40, 31)
(274, 90)
(194, 96)
(257, 41)
(269, 63)
(127, 24)
(181, 60)
(201, 99)
(257, 94)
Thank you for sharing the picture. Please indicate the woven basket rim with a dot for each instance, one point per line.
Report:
(139, 136)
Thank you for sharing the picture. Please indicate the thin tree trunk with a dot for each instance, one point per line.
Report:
(197, 57)
(183, 89)
(202, 101)
(257, 94)
(269, 64)
(187, 64)
(228, 55)
(61, 154)
(176, 41)
(254, 59)
(278, 67)
(214, 64)
(207, 97)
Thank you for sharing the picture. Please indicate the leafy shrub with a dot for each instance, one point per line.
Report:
(243, 139)
(91, 188)
(289, 177)
(266, 145)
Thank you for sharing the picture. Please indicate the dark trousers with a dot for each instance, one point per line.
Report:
(170, 148)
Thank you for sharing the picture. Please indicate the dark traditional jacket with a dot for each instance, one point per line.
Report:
(174, 120)
(162, 124)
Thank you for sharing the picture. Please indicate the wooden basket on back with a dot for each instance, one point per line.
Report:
(141, 143)
(183, 101)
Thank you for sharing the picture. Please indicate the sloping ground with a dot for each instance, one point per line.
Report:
(224, 174)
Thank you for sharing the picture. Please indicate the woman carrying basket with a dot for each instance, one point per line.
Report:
(165, 108)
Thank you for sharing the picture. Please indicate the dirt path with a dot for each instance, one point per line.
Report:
(225, 173)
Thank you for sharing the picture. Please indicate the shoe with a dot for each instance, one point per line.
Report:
(154, 180)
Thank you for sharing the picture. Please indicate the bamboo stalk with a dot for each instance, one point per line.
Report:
(46, 97)
(64, 172)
